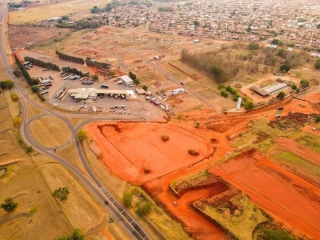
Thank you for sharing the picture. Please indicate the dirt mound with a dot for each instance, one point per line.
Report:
(293, 120)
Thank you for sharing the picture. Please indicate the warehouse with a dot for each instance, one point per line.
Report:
(126, 80)
(85, 93)
(270, 90)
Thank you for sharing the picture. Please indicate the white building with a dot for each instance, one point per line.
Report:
(126, 80)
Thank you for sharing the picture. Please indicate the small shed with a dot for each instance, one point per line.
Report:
(126, 80)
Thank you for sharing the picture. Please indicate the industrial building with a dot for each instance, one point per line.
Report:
(126, 80)
(86, 93)
(269, 90)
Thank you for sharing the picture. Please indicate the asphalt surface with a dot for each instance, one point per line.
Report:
(112, 205)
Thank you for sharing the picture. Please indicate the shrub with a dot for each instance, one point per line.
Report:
(17, 121)
(317, 64)
(253, 46)
(318, 118)
(272, 234)
(281, 95)
(143, 208)
(35, 88)
(220, 86)
(127, 199)
(14, 97)
(224, 93)
(6, 84)
(82, 135)
(9, 205)
(136, 81)
(61, 193)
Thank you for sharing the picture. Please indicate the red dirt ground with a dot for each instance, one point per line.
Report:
(133, 147)
(284, 195)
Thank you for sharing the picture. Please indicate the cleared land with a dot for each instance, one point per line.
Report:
(50, 131)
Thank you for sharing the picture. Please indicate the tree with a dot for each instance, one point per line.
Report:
(317, 118)
(65, 18)
(273, 234)
(196, 23)
(16, 73)
(17, 121)
(35, 88)
(253, 46)
(95, 77)
(294, 87)
(76, 235)
(285, 68)
(14, 97)
(132, 75)
(143, 208)
(95, 9)
(281, 95)
(61, 193)
(127, 199)
(304, 83)
(224, 93)
(6, 84)
(145, 87)
(82, 135)
(317, 64)
(136, 81)
(9, 205)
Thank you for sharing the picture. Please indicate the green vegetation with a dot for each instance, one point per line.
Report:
(61, 193)
(70, 58)
(285, 67)
(6, 84)
(76, 235)
(28, 149)
(304, 83)
(224, 93)
(95, 9)
(247, 103)
(275, 234)
(16, 73)
(145, 87)
(34, 209)
(165, 9)
(87, 23)
(9, 205)
(17, 121)
(81, 135)
(35, 88)
(68, 69)
(136, 81)
(310, 140)
(317, 118)
(281, 95)
(143, 208)
(277, 42)
(96, 64)
(132, 75)
(253, 46)
(31, 81)
(289, 158)
(196, 23)
(95, 77)
(239, 216)
(41, 63)
(317, 64)
(127, 199)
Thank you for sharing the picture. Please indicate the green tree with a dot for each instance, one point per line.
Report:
(285, 68)
(81, 135)
(9, 205)
(196, 23)
(95, 77)
(281, 95)
(127, 199)
(317, 118)
(253, 46)
(61, 193)
(95, 9)
(317, 64)
(132, 75)
(272, 234)
(304, 83)
(6, 84)
(65, 18)
(16, 73)
(14, 97)
(35, 88)
(143, 208)
(76, 235)
(224, 93)
(294, 87)
(145, 87)
(136, 81)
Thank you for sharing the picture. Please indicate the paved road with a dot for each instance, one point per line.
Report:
(112, 204)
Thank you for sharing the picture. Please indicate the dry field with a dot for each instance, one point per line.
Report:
(50, 131)
(40, 13)
(70, 154)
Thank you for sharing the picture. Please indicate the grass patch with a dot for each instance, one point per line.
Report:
(310, 140)
(241, 219)
(291, 159)
(70, 154)
(50, 131)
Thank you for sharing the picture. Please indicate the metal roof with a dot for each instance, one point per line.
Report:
(126, 79)
(275, 87)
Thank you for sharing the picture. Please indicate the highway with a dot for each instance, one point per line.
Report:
(110, 202)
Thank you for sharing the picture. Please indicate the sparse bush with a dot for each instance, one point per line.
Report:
(127, 199)
(143, 208)
(76, 235)
(317, 118)
(304, 83)
(9, 205)
(14, 97)
(17, 121)
(253, 46)
(61, 193)
(82, 135)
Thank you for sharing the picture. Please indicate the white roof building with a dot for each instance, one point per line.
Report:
(126, 80)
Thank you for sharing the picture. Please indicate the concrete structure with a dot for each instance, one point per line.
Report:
(239, 103)
(126, 80)
(85, 93)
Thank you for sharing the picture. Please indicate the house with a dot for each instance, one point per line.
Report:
(126, 80)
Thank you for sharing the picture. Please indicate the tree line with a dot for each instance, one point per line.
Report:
(215, 66)
(96, 64)
(70, 58)
(74, 71)
(43, 64)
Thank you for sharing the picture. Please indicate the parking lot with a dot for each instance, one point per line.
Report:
(136, 106)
